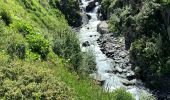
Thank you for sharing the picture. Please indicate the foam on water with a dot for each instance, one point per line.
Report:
(89, 33)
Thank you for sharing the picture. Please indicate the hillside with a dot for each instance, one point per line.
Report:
(42, 57)
(40, 54)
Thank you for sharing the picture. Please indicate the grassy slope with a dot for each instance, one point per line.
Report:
(33, 17)
(46, 21)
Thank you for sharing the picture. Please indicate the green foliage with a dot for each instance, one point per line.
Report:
(6, 17)
(146, 57)
(146, 96)
(121, 94)
(37, 29)
(71, 10)
(88, 64)
(31, 81)
(166, 69)
(38, 44)
(16, 46)
(23, 28)
(144, 24)
(113, 23)
(165, 1)
(67, 45)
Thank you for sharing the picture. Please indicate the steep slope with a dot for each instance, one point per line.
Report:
(40, 55)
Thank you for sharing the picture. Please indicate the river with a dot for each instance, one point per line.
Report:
(89, 33)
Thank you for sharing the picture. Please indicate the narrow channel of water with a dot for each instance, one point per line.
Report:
(89, 33)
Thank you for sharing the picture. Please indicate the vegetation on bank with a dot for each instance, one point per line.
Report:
(145, 26)
(40, 55)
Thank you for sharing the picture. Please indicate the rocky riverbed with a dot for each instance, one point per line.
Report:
(112, 60)
(114, 48)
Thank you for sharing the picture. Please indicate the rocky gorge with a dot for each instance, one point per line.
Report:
(126, 38)
(112, 59)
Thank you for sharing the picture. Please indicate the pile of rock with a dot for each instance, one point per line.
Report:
(114, 48)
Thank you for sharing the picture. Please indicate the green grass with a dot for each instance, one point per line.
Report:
(32, 32)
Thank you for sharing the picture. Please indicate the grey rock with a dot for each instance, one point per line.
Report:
(119, 69)
(130, 75)
(85, 44)
(85, 19)
(122, 54)
(91, 5)
(102, 27)
(127, 82)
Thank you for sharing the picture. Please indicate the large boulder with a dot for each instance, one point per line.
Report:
(91, 5)
(102, 27)
(85, 18)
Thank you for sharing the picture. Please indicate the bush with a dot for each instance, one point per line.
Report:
(38, 44)
(146, 96)
(88, 64)
(142, 51)
(71, 10)
(114, 23)
(6, 17)
(121, 94)
(16, 46)
(23, 28)
(66, 44)
(30, 81)
(166, 68)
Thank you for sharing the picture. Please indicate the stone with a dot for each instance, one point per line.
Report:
(88, 16)
(85, 44)
(122, 54)
(102, 27)
(85, 19)
(130, 75)
(127, 82)
(118, 69)
(91, 5)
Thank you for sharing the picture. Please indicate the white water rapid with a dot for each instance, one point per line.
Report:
(89, 33)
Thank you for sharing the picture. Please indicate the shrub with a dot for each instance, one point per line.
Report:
(38, 44)
(66, 44)
(30, 81)
(166, 67)
(71, 10)
(23, 28)
(143, 51)
(6, 17)
(16, 46)
(146, 96)
(32, 56)
(88, 64)
(121, 94)
(114, 23)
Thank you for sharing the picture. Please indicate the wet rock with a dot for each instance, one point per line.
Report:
(122, 75)
(122, 54)
(127, 82)
(88, 16)
(130, 75)
(102, 27)
(85, 44)
(91, 5)
(117, 46)
(119, 69)
(85, 19)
